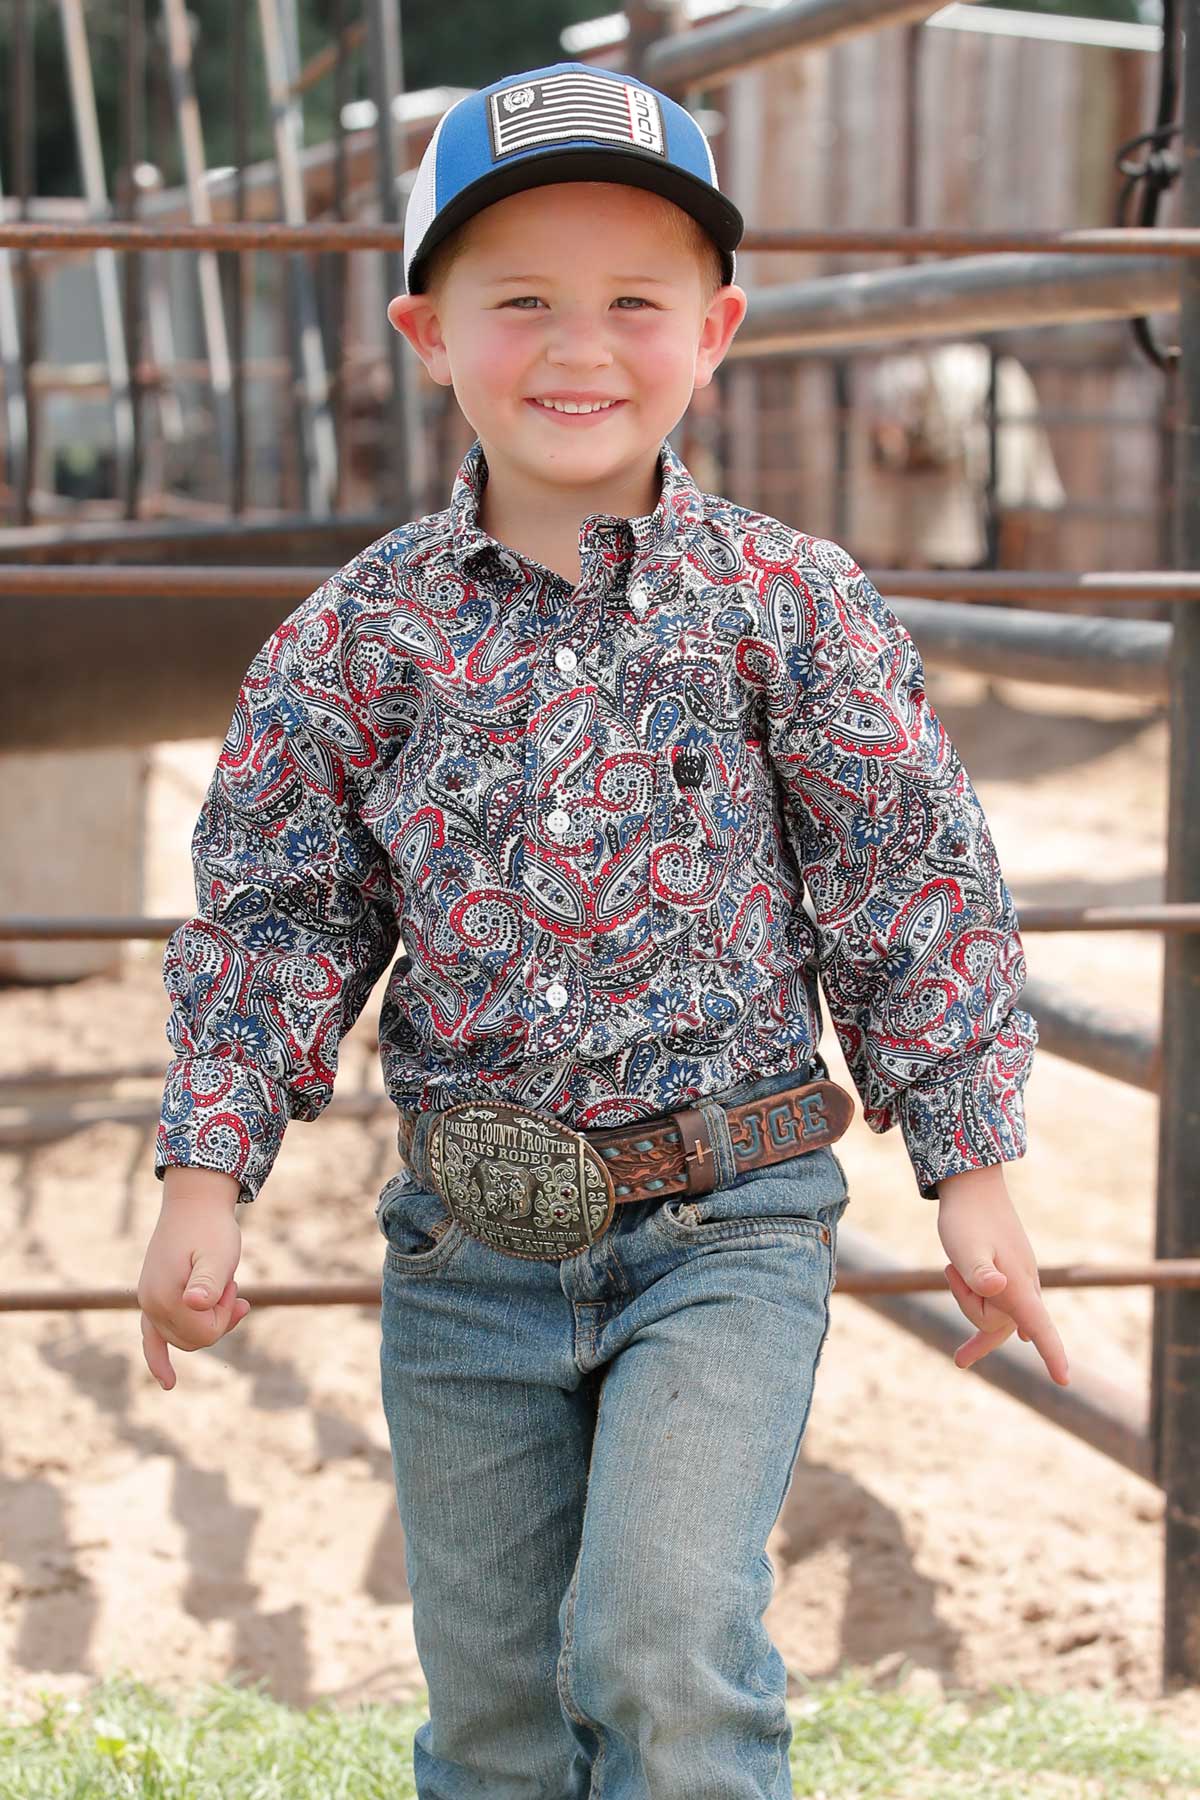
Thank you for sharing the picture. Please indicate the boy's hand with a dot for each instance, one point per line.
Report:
(186, 1288)
(993, 1272)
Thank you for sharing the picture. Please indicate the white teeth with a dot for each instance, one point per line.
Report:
(575, 406)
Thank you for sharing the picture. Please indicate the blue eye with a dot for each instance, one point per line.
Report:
(637, 300)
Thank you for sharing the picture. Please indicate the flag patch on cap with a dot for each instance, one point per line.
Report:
(557, 108)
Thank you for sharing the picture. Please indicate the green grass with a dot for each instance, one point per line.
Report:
(125, 1741)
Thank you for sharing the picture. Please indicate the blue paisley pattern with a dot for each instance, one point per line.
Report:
(592, 817)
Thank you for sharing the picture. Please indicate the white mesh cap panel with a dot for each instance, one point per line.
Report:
(712, 163)
(422, 206)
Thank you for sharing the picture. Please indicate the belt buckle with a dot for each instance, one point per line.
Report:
(519, 1181)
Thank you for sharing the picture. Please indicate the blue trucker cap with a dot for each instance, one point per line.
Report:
(566, 122)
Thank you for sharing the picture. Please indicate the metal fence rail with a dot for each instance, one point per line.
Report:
(351, 235)
(291, 581)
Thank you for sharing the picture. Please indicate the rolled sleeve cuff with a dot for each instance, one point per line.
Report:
(976, 1117)
(222, 1115)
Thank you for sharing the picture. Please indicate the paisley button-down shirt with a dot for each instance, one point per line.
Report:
(619, 831)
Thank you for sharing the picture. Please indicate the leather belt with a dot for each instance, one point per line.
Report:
(529, 1186)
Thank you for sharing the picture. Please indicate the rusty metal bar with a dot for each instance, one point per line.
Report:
(1175, 1354)
(859, 1283)
(292, 581)
(1181, 917)
(351, 235)
(86, 377)
(46, 929)
(279, 537)
(923, 240)
(1184, 915)
(714, 52)
(128, 581)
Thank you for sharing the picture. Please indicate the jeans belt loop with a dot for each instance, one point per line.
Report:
(713, 1114)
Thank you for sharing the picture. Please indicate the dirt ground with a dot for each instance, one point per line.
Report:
(246, 1520)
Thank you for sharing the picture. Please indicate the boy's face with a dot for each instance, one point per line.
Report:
(586, 289)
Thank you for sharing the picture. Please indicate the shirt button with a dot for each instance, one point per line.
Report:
(565, 659)
(556, 995)
(558, 821)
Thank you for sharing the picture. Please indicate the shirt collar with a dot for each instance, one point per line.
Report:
(679, 510)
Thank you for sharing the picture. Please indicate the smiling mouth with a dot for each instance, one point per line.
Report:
(570, 410)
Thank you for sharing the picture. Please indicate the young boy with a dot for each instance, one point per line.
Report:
(584, 740)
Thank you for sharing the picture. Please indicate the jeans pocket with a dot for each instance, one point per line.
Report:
(803, 1196)
(421, 1232)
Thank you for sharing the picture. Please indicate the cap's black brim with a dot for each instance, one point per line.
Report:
(635, 168)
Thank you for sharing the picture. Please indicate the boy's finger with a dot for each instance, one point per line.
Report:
(973, 1306)
(1028, 1315)
(229, 1311)
(202, 1290)
(238, 1308)
(986, 1279)
(995, 1325)
(211, 1312)
(1037, 1327)
(158, 1357)
(1040, 1326)
(979, 1346)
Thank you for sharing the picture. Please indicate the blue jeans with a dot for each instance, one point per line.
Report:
(589, 1456)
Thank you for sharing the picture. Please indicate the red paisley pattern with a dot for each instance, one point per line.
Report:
(622, 834)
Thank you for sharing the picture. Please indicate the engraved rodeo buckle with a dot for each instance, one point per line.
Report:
(521, 1183)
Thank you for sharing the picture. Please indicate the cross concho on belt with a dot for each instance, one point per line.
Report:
(520, 1182)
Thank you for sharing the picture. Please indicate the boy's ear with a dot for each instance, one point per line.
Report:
(726, 310)
(414, 317)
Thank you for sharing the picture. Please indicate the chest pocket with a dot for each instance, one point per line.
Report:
(713, 875)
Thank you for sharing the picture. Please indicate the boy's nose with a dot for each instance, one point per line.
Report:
(579, 340)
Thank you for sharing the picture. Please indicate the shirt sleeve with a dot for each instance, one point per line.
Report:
(920, 956)
(295, 920)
